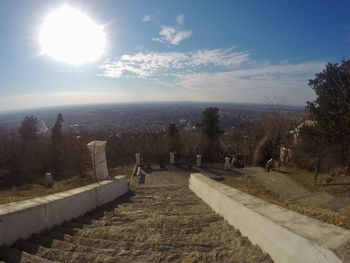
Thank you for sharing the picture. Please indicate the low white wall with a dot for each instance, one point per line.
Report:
(286, 235)
(19, 220)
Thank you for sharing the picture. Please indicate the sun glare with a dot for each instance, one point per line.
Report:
(72, 37)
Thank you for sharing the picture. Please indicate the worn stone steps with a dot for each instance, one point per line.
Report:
(89, 242)
(12, 255)
(67, 246)
(155, 223)
(63, 256)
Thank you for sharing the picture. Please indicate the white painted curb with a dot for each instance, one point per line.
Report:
(19, 220)
(286, 235)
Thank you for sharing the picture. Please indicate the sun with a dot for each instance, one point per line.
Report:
(72, 37)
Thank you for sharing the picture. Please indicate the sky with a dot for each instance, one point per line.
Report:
(160, 50)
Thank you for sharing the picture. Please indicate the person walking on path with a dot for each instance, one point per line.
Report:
(269, 165)
(141, 175)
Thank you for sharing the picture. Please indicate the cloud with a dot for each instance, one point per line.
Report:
(218, 74)
(158, 64)
(47, 99)
(261, 77)
(172, 35)
(282, 81)
(146, 18)
(219, 57)
(60, 98)
(180, 19)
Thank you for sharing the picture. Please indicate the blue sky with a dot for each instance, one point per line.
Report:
(236, 51)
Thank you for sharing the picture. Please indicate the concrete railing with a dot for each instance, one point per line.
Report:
(286, 235)
(19, 220)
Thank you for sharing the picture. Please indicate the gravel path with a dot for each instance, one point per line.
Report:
(160, 222)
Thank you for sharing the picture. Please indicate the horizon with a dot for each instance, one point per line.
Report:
(156, 51)
(152, 103)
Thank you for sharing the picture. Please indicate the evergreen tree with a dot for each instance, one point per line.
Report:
(28, 128)
(57, 143)
(210, 131)
(210, 124)
(173, 137)
(331, 108)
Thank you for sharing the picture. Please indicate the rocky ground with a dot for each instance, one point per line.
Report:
(162, 221)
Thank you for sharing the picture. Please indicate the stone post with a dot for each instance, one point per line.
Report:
(138, 159)
(98, 156)
(49, 179)
(227, 163)
(172, 158)
(199, 160)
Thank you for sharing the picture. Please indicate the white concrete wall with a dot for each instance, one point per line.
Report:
(286, 235)
(22, 219)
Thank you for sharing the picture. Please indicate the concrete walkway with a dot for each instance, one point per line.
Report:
(160, 222)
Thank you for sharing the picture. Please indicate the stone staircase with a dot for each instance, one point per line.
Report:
(154, 223)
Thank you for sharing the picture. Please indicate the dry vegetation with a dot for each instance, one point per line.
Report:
(27, 191)
(247, 185)
(339, 184)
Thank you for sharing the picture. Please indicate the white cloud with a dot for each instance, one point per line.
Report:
(286, 81)
(218, 74)
(59, 98)
(146, 18)
(219, 57)
(268, 76)
(27, 101)
(172, 35)
(153, 64)
(180, 19)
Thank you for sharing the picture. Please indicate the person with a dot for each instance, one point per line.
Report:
(141, 175)
(240, 161)
(233, 162)
(269, 165)
(237, 161)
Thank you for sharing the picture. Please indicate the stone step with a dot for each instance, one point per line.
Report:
(64, 230)
(12, 255)
(90, 242)
(63, 256)
(67, 246)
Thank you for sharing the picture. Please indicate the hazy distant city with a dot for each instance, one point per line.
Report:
(140, 117)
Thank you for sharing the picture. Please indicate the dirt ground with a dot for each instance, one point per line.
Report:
(162, 221)
(284, 190)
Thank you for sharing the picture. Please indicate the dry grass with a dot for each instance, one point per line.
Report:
(35, 190)
(306, 179)
(245, 184)
(122, 170)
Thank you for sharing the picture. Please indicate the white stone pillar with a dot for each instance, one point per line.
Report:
(199, 160)
(49, 179)
(172, 158)
(98, 156)
(138, 159)
(227, 163)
